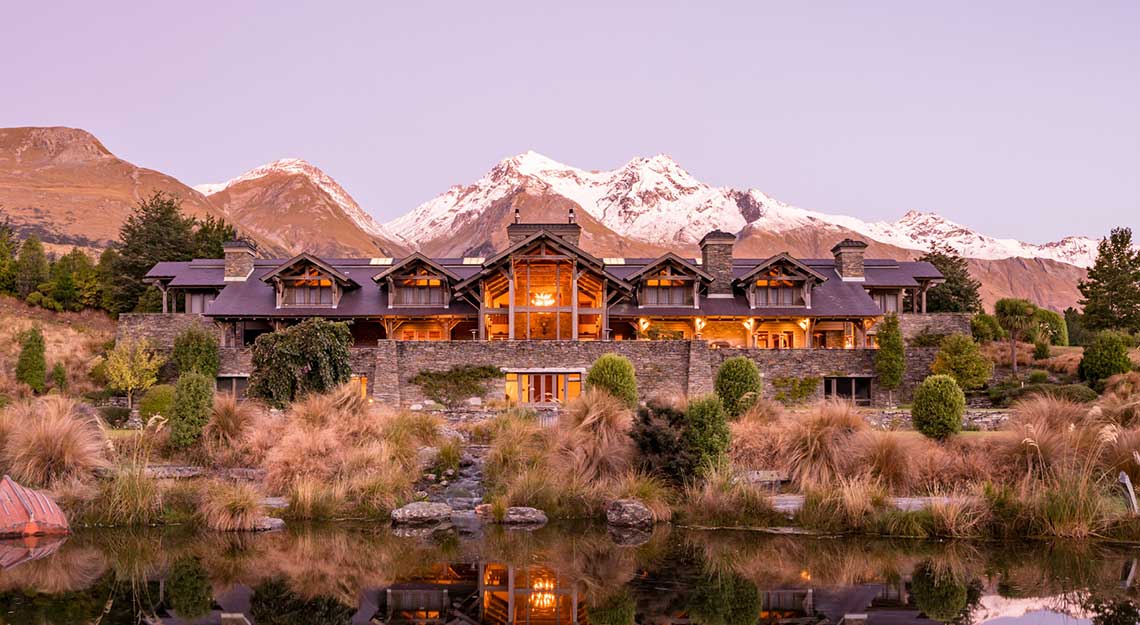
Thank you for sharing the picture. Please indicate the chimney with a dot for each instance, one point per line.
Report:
(716, 260)
(849, 259)
(570, 231)
(239, 260)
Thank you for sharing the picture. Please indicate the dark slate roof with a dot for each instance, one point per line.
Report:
(254, 298)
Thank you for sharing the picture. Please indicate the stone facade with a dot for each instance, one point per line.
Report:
(849, 261)
(914, 324)
(239, 260)
(160, 330)
(716, 260)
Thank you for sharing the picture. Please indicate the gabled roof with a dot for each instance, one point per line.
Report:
(337, 275)
(416, 257)
(781, 257)
(666, 258)
(570, 248)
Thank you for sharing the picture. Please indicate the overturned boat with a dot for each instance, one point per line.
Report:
(26, 512)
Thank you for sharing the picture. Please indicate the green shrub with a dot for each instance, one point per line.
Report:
(1038, 376)
(657, 432)
(938, 407)
(737, 384)
(1004, 394)
(189, 589)
(159, 399)
(1104, 358)
(986, 329)
(115, 416)
(926, 338)
(960, 358)
(720, 598)
(193, 401)
(31, 366)
(452, 386)
(614, 374)
(793, 391)
(890, 359)
(1041, 350)
(310, 357)
(938, 595)
(706, 435)
(196, 349)
(59, 377)
(1051, 328)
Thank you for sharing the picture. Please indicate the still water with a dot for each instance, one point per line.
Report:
(557, 575)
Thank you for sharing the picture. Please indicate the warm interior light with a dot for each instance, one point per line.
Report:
(543, 299)
(749, 324)
(700, 323)
(803, 324)
(542, 594)
(643, 323)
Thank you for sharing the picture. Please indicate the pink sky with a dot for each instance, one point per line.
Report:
(1016, 118)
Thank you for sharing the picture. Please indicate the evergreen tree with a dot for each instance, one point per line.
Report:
(31, 365)
(31, 267)
(210, 236)
(1075, 326)
(890, 360)
(9, 245)
(1111, 294)
(156, 231)
(105, 278)
(959, 293)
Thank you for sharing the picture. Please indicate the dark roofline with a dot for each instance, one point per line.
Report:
(322, 265)
(415, 257)
(774, 259)
(666, 257)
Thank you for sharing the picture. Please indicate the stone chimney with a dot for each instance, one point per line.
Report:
(716, 260)
(849, 259)
(239, 260)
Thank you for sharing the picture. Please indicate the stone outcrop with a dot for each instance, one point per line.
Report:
(421, 513)
(523, 515)
(629, 513)
(268, 524)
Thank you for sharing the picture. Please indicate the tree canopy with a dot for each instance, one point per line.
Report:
(1110, 295)
(959, 293)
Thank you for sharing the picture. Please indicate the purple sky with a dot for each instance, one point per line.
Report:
(1020, 120)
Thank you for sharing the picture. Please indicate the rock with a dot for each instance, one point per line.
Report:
(484, 511)
(443, 483)
(629, 536)
(450, 434)
(268, 524)
(449, 473)
(522, 515)
(275, 503)
(629, 513)
(428, 477)
(427, 456)
(422, 513)
(420, 494)
(474, 401)
(416, 407)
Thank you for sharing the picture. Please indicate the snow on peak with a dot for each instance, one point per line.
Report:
(654, 199)
(301, 167)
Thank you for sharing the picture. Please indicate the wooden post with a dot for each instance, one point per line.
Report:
(511, 305)
(573, 305)
(924, 287)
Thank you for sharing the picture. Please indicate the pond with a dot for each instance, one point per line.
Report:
(559, 574)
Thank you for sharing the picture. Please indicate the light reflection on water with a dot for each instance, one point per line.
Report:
(557, 576)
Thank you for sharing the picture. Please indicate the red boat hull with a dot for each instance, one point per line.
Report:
(26, 512)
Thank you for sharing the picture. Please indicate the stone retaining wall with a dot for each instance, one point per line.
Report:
(913, 324)
(160, 330)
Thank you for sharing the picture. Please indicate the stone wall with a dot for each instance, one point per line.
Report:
(160, 329)
(913, 324)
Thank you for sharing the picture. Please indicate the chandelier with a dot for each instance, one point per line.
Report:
(542, 299)
(542, 594)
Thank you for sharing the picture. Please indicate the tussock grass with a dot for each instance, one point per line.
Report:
(722, 500)
(650, 490)
(816, 442)
(50, 440)
(888, 458)
(312, 500)
(848, 505)
(231, 507)
(594, 436)
(229, 426)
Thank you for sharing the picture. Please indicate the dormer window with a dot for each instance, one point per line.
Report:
(310, 289)
(666, 288)
(775, 292)
(421, 288)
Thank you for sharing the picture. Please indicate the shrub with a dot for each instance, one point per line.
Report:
(793, 391)
(456, 384)
(230, 507)
(310, 357)
(938, 595)
(31, 366)
(1041, 350)
(189, 589)
(724, 599)
(59, 377)
(158, 399)
(705, 437)
(614, 374)
(196, 350)
(131, 367)
(53, 442)
(657, 434)
(115, 416)
(1037, 376)
(960, 358)
(230, 420)
(1051, 328)
(986, 329)
(926, 338)
(737, 384)
(938, 407)
(1104, 358)
(193, 401)
(888, 457)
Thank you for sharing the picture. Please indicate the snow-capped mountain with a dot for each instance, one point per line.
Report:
(299, 167)
(654, 200)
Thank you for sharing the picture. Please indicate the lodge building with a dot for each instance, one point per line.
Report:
(545, 288)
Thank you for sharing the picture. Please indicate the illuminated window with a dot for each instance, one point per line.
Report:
(419, 289)
(311, 288)
(526, 388)
(667, 291)
(770, 292)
